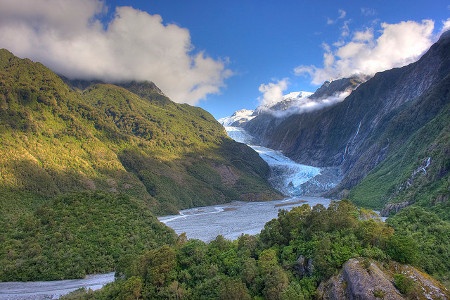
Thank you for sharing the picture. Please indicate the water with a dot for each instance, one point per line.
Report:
(51, 289)
(236, 218)
(232, 219)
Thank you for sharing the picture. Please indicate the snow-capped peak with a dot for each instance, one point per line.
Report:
(284, 103)
(297, 95)
(240, 116)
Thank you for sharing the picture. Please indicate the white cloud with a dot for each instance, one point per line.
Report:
(363, 36)
(345, 30)
(272, 92)
(68, 37)
(309, 105)
(445, 25)
(397, 45)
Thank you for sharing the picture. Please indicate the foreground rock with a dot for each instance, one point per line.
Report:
(366, 279)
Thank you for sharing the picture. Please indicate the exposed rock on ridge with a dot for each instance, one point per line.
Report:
(360, 279)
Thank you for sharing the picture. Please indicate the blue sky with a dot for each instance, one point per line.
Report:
(242, 44)
(266, 40)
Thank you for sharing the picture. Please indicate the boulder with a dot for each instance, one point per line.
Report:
(363, 279)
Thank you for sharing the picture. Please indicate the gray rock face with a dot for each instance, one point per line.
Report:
(330, 88)
(365, 283)
(304, 266)
(350, 134)
(359, 280)
(393, 208)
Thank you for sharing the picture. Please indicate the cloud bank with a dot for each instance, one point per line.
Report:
(397, 45)
(69, 37)
(306, 105)
(273, 93)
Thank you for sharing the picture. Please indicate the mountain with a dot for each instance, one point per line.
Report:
(124, 144)
(376, 122)
(390, 140)
(264, 126)
(239, 117)
(290, 100)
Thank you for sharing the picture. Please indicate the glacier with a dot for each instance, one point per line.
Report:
(233, 219)
(287, 175)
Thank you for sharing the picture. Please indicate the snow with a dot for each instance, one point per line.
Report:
(297, 95)
(245, 115)
(287, 175)
(241, 116)
(239, 135)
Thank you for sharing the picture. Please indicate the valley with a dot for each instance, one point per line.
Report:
(237, 218)
(113, 177)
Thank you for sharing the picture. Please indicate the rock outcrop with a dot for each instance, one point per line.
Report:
(365, 279)
(393, 208)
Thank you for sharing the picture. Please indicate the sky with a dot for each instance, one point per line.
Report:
(221, 55)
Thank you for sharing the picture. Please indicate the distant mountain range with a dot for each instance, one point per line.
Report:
(388, 135)
(386, 139)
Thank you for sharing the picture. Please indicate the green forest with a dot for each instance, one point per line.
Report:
(83, 173)
(289, 259)
(85, 170)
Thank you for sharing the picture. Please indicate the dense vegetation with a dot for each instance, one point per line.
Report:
(130, 142)
(416, 168)
(291, 256)
(415, 173)
(78, 234)
(431, 234)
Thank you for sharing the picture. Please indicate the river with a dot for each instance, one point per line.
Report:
(203, 223)
(236, 218)
(51, 289)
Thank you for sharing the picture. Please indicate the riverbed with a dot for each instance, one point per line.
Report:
(51, 289)
(236, 218)
(232, 219)
(204, 223)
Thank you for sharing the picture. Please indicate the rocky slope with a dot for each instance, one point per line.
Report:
(368, 279)
(372, 124)
(269, 119)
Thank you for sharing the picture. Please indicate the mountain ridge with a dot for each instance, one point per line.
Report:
(343, 135)
(98, 155)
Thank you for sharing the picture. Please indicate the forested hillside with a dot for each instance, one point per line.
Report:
(129, 142)
(294, 257)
